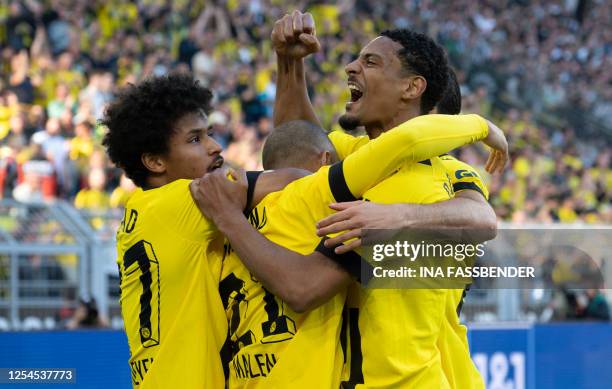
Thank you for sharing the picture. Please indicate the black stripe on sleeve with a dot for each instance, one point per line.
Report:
(467, 185)
(351, 261)
(337, 184)
(252, 177)
(426, 162)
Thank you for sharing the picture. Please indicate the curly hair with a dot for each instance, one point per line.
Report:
(142, 119)
(450, 103)
(421, 55)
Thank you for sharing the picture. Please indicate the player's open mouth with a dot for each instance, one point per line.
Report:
(218, 162)
(356, 94)
(356, 91)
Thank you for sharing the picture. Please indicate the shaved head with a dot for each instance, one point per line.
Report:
(298, 144)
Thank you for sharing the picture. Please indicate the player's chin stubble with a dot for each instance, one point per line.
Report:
(348, 122)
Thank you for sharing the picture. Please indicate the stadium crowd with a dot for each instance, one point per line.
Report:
(536, 67)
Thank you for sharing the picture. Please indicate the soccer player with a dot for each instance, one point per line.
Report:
(174, 319)
(271, 341)
(356, 216)
(398, 75)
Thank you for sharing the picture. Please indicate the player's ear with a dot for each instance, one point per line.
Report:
(325, 158)
(414, 86)
(153, 162)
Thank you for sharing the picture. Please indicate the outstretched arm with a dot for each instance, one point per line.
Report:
(418, 139)
(293, 38)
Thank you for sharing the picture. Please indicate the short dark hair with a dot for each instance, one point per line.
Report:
(450, 103)
(421, 55)
(292, 144)
(142, 118)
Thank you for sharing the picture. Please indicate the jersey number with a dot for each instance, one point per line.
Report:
(143, 256)
(277, 328)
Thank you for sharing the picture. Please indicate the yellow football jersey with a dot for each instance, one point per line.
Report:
(346, 144)
(407, 338)
(271, 346)
(463, 176)
(459, 368)
(395, 345)
(170, 303)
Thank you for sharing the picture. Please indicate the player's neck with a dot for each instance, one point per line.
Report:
(156, 182)
(402, 116)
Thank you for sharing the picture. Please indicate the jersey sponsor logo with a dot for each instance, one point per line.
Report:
(253, 365)
(459, 174)
(139, 369)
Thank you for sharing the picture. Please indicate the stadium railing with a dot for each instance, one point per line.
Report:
(44, 263)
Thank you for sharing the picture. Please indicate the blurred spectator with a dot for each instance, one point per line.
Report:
(61, 102)
(94, 198)
(221, 132)
(575, 279)
(16, 137)
(122, 193)
(54, 147)
(86, 315)
(38, 183)
(40, 276)
(81, 147)
(19, 80)
(252, 105)
(588, 304)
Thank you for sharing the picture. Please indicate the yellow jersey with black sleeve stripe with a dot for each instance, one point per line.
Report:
(437, 341)
(463, 176)
(269, 345)
(346, 144)
(173, 315)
